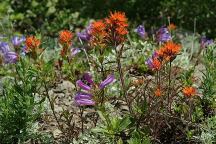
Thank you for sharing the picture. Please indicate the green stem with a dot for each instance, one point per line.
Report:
(81, 116)
(52, 107)
(169, 84)
(121, 75)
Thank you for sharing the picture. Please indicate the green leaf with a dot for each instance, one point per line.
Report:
(120, 141)
(99, 130)
(125, 122)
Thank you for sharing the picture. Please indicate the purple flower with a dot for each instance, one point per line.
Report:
(205, 42)
(75, 51)
(23, 50)
(88, 78)
(149, 62)
(83, 99)
(10, 57)
(4, 47)
(85, 34)
(155, 54)
(140, 30)
(17, 41)
(110, 78)
(83, 85)
(163, 35)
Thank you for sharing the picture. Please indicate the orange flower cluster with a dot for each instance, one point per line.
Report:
(117, 22)
(32, 47)
(158, 92)
(65, 37)
(111, 30)
(189, 91)
(32, 43)
(171, 27)
(169, 50)
(98, 28)
(98, 31)
(156, 64)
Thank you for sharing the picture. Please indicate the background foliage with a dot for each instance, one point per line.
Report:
(53, 15)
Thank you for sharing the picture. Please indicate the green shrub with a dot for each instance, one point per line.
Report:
(19, 107)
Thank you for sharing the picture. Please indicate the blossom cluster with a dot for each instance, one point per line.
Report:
(109, 31)
(89, 90)
(10, 56)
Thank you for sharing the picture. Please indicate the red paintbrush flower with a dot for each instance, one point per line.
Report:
(65, 37)
(169, 50)
(189, 91)
(116, 27)
(32, 43)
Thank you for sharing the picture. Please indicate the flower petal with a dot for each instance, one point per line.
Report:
(80, 96)
(88, 78)
(84, 102)
(140, 30)
(75, 51)
(163, 35)
(10, 57)
(110, 78)
(149, 63)
(4, 47)
(83, 85)
(85, 35)
(16, 40)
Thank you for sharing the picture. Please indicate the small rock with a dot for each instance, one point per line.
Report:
(56, 133)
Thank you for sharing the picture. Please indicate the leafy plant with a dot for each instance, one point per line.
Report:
(20, 104)
(208, 83)
(113, 127)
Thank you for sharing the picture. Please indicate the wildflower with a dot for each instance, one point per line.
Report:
(119, 19)
(10, 57)
(86, 34)
(24, 50)
(17, 41)
(98, 33)
(86, 98)
(153, 64)
(32, 47)
(189, 91)
(32, 43)
(169, 50)
(112, 30)
(204, 42)
(140, 30)
(163, 35)
(65, 37)
(98, 28)
(88, 78)
(75, 51)
(171, 27)
(116, 27)
(155, 54)
(4, 47)
(158, 92)
(107, 81)
(83, 99)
